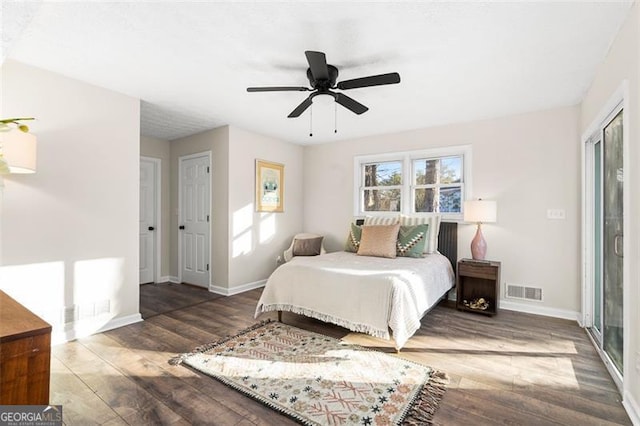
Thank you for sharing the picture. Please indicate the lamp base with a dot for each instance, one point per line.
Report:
(478, 245)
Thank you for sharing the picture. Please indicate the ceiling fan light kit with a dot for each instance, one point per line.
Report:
(322, 78)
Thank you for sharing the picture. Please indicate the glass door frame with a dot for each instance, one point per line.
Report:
(594, 134)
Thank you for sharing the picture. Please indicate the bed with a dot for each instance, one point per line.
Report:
(381, 297)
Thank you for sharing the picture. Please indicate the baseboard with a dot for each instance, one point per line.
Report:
(78, 330)
(540, 310)
(174, 280)
(237, 289)
(632, 407)
(164, 279)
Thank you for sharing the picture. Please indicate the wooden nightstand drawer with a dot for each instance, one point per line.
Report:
(478, 270)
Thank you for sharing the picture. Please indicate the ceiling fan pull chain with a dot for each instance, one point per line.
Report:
(311, 121)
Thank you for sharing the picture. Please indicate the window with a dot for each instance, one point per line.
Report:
(429, 181)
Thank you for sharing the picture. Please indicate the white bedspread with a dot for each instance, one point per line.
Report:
(364, 294)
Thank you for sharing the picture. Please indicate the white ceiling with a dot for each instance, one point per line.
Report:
(191, 62)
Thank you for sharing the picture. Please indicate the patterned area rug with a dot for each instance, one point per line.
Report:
(318, 380)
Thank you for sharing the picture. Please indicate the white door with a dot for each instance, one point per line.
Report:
(148, 218)
(195, 189)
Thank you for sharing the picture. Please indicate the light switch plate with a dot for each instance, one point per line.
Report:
(556, 214)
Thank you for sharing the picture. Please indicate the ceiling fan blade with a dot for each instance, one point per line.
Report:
(278, 89)
(317, 64)
(350, 104)
(301, 108)
(374, 80)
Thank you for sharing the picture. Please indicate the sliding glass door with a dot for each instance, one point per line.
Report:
(612, 241)
(605, 233)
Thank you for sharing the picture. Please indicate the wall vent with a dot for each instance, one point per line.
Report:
(521, 292)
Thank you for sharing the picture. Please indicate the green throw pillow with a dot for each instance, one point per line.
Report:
(412, 240)
(353, 240)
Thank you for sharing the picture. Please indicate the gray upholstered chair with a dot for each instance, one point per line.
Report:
(305, 244)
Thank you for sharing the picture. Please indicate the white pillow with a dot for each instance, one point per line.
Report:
(431, 219)
(382, 220)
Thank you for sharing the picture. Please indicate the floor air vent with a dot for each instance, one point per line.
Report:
(522, 292)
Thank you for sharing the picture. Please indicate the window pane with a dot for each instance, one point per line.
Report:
(425, 200)
(450, 200)
(443, 200)
(446, 170)
(450, 170)
(382, 200)
(383, 174)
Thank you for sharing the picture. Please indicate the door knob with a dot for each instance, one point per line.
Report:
(181, 227)
(151, 228)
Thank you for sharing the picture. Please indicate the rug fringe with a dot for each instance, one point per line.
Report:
(427, 400)
(357, 327)
(180, 358)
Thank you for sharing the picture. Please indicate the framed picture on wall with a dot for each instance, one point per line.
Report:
(269, 186)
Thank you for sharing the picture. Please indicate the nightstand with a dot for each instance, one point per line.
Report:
(475, 280)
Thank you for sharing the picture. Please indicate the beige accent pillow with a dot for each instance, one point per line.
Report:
(379, 240)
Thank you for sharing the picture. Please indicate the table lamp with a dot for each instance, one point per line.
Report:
(479, 211)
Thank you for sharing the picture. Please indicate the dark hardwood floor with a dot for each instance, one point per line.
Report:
(513, 368)
(156, 299)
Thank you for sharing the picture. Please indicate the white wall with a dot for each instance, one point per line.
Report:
(527, 163)
(160, 149)
(70, 231)
(257, 239)
(622, 63)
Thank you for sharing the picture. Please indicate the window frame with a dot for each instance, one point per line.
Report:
(408, 187)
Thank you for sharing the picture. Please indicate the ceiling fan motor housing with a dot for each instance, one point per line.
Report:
(323, 84)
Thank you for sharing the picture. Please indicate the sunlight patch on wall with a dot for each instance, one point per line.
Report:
(267, 227)
(242, 244)
(97, 279)
(242, 223)
(242, 220)
(40, 287)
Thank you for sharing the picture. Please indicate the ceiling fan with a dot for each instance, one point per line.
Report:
(322, 78)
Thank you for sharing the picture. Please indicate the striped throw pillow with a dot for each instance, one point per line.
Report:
(433, 220)
(382, 220)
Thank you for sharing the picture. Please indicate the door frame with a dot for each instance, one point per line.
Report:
(157, 246)
(619, 100)
(180, 213)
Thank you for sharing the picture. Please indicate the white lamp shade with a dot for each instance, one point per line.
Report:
(480, 211)
(19, 151)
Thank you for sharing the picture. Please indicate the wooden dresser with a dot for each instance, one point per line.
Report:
(25, 355)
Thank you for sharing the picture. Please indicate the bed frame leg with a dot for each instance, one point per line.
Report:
(279, 316)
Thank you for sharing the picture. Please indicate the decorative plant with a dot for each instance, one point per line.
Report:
(6, 125)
